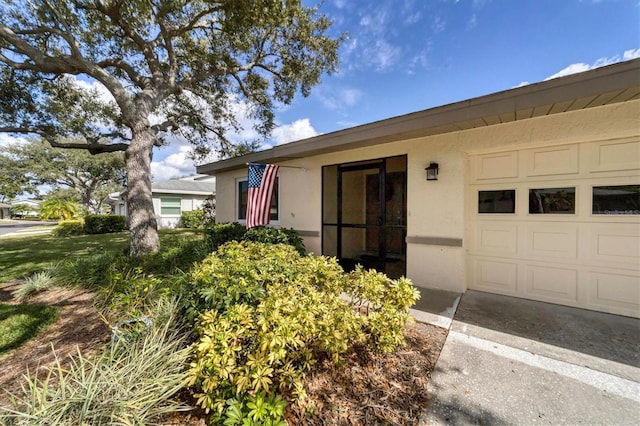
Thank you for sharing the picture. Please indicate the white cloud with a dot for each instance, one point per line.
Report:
(339, 99)
(376, 23)
(299, 129)
(413, 18)
(631, 54)
(600, 62)
(174, 165)
(103, 93)
(340, 3)
(438, 24)
(472, 22)
(7, 139)
(383, 55)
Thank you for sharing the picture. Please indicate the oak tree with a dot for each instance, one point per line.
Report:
(91, 178)
(170, 67)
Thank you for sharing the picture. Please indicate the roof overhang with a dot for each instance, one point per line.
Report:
(602, 86)
(181, 191)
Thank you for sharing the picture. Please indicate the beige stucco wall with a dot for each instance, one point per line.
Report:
(434, 209)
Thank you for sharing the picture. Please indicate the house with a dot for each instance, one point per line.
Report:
(532, 192)
(171, 198)
(25, 208)
(5, 212)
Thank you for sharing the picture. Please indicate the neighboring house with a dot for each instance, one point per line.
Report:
(29, 208)
(171, 198)
(536, 196)
(4, 211)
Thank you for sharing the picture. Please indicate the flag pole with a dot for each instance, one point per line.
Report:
(290, 167)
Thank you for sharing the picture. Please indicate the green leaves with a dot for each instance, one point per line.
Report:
(267, 315)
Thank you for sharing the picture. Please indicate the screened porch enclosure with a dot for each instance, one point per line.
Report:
(364, 214)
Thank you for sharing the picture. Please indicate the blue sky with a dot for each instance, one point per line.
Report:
(407, 55)
(403, 56)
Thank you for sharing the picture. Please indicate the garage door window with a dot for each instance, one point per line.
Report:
(616, 200)
(501, 201)
(552, 201)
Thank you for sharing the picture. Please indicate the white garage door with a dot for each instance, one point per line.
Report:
(558, 223)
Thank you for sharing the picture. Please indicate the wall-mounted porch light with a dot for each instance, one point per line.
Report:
(432, 171)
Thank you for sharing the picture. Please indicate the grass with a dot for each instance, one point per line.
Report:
(22, 256)
(20, 323)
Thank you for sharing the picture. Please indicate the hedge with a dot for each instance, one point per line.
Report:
(104, 224)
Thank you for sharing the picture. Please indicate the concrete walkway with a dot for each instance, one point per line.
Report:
(514, 361)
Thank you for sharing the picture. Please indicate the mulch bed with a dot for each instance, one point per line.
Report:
(373, 389)
(366, 389)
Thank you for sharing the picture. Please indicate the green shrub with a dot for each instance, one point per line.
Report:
(67, 228)
(130, 293)
(384, 304)
(104, 224)
(261, 409)
(176, 257)
(193, 219)
(268, 235)
(129, 383)
(221, 233)
(266, 315)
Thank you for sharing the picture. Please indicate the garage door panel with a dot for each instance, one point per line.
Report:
(621, 291)
(495, 276)
(618, 243)
(615, 155)
(496, 238)
(551, 240)
(559, 285)
(552, 161)
(496, 166)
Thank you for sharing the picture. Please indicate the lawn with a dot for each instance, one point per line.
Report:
(20, 323)
(22, 256)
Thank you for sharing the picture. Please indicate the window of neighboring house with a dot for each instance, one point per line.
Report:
(241, 196)
(170, 206)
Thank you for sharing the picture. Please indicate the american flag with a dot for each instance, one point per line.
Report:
(262, 180)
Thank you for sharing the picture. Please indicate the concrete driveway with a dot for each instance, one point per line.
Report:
(514, 361)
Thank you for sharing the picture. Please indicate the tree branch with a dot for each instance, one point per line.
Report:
(93, 148)
(127, 68)
(93, 145)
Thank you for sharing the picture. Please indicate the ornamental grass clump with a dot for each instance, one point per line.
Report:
(36, 283)
(265, 315)
(131, 382)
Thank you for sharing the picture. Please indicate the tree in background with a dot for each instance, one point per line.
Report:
(14, 181)
(59, 208)
(170, 69)
(90, 177)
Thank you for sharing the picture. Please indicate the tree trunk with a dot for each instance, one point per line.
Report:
(143, 225)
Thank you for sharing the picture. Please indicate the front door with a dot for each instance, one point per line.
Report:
(364, 214)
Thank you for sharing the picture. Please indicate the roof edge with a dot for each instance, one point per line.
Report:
(600, 80)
